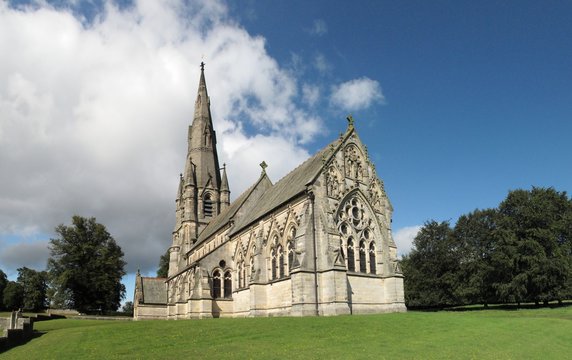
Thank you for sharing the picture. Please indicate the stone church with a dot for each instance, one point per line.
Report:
(317, 242)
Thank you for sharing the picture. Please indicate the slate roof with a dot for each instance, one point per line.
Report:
(154, 290)
(224, 217)
(291, 185)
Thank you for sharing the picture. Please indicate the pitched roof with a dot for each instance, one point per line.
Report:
(154, 290)
(291, 185)
(226, 215)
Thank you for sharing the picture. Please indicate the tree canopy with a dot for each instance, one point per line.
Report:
(163, 270)
(86, 266)
(34, 286)
(518, 252)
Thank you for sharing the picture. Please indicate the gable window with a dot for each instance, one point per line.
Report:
(372, 268)
(362, 257)
(351, 257)
(290, 254)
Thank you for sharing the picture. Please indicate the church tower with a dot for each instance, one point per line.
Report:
(202, 192)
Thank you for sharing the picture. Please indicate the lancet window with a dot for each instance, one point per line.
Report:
(362, 257)
(207, 205)
(216, 284)
(227, 284)
(281, 264)
(351, 257)
(372, 268)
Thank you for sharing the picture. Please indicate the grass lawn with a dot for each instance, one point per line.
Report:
(492, 334)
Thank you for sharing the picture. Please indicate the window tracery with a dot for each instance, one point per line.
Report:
(355, 227)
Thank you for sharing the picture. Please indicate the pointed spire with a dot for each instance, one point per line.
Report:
(224, 181)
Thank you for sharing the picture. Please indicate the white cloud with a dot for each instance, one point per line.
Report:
(94, 116)
(321, 64)
(319, 27)
(310, 94)
(404, 238)
(357, 94)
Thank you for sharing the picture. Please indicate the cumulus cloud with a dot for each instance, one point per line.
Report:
(94, 117)
(319, 27)
(404, 239)
(357, 94)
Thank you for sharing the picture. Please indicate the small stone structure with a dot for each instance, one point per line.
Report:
(15, 329)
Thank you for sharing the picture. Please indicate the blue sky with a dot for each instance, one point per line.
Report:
(458, 102)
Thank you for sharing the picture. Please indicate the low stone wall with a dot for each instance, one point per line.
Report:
(16, 330)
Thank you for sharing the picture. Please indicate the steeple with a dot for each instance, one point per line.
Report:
(202, 193)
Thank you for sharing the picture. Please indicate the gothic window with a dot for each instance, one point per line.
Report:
(351, 258)
(290, 255)
(227, 284)
(281, 264)
(239, 275)
(251, 264)
(273, 255)
(207, 205)
(243, 274)
(362, 257)
(216, 284)
(372, 268)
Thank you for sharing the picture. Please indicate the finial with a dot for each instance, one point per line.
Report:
(202, 66)
(263, 165)
(350, 120)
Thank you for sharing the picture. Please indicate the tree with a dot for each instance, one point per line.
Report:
(3, 283)
(163, 270)
(127, 308)
(475, 235)
(13, 297)
(431, 267)
(87, 264)
(34, 288)
(540, 225)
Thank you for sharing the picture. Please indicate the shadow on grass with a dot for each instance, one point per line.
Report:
(6, 345)
(507, 307)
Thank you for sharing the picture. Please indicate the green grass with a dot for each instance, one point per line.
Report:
(493, 334)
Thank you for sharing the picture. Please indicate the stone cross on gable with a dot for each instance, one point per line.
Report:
(350, 119)
(263, 165)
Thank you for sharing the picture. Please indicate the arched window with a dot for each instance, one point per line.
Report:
(351, 258)
(227, 284)
(251, 265)
(273, 255)
(372, 268)
(243, 274)
(290, 255)
(216, 284)
(207, 205)
(362, 257)
(281, 264)
(239, 274)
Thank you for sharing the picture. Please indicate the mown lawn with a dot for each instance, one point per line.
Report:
(492, 334)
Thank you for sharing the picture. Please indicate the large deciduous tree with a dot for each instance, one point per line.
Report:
(13, 297)
(87, 264)
(34, 285)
